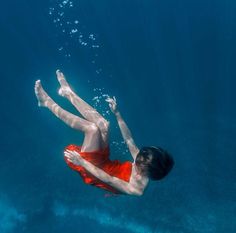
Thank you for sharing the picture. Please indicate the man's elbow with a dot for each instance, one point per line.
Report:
(138, 194)
(135, 192)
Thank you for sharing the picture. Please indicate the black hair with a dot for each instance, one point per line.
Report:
(156, 161)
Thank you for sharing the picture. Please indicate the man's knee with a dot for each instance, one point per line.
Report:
(104, 125)
(92, 129)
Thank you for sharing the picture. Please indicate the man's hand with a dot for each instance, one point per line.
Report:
(73, 157)
(112, 104)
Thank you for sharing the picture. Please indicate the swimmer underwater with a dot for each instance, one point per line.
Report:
(91, 160)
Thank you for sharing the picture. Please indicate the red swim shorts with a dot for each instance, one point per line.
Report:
(101, 160)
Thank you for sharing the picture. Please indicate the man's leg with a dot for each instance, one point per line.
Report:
(87, 111)
(93, 139)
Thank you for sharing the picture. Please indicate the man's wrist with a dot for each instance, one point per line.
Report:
(117, 114)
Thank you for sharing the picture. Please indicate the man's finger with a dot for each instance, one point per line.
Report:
(75, 153)
(69, 151)
(109, 100)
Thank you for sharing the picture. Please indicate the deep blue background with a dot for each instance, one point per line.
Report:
(171, 65)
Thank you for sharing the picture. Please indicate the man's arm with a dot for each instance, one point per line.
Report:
(126, 134)
(115, 182)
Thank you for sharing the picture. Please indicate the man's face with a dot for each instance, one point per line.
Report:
(142, 162)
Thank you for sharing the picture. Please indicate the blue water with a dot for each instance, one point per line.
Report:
(171, 66)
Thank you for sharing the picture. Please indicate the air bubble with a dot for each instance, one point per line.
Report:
(91, 36)
(74, 30)
(65, 2)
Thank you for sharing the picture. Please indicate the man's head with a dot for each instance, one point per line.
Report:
(154, 162)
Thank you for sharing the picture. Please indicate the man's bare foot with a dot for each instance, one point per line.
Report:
(65, 88)
(41, 95)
